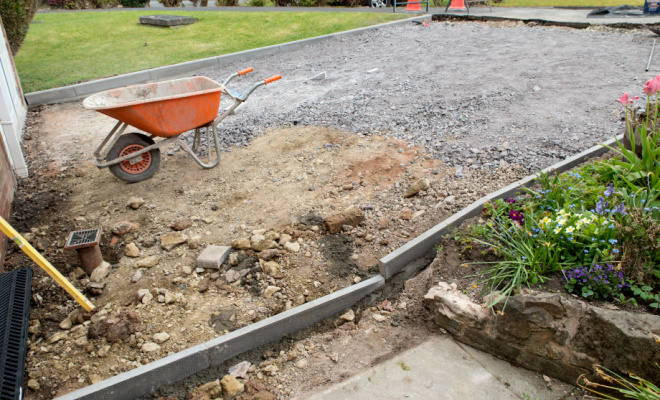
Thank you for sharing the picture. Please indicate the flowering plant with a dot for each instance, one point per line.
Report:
(597, 281)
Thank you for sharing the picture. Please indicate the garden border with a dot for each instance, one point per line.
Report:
(148, 378)
(79, 90)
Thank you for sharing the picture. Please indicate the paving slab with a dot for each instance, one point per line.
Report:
(213, 256)
(439, 369)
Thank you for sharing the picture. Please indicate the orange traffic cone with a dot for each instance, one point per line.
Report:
(457, 5)
(414, 6)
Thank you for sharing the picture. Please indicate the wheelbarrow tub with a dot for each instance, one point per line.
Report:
(163, 109)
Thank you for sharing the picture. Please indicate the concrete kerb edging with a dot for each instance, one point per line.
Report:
(147, 379)
(84, 89)
(391, 263)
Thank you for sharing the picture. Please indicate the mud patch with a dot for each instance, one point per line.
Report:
(311, 219)
(338, 249)
(223, 320)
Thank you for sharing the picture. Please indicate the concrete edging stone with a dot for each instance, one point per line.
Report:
(147, 379)
(84, 89)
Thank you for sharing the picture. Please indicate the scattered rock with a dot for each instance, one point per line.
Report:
(241, 244)
(267, 255)
(35, 326)
(150, 347)
(450, 200)
(34, 384)
(119, 327)
(135, 202)
(100, 272)
(264, 245)
(232, 275)
(41, 243)
(204, 285)
(131, 250)
(181, 225)
(406, 214)
(95, 378)
(270, 268)
(352, 217)
(233, 259)
(123, 227)
(171, 240)
(284, 239)
(57, 337)
(66, 324)
(379, 318)
(147, 262)
(78, 273)
(384, 223)
(292, 247)
(347, 317)
(240, 370)
(270, 291)
(231, 387)
(186, 270)
(136, 276)
(418, 214)
(195, 242)
(95, 288)
(422, 184)
(213, 388)
(161, 337)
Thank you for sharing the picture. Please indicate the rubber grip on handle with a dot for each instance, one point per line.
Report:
(272, 79)
(245, 71)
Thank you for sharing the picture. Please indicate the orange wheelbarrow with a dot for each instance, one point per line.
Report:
(166, 110)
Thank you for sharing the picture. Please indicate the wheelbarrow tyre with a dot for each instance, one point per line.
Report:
(143, 170)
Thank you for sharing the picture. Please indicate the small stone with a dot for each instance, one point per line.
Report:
(241, 244)
(384, 223)
(123, 227)
(135, 202)
(284, 239)
(352, 217)
(302, 364)
(78, 273)
(131, 250)
(181, 225)
(422, 184)
(264, 245)
(232, 275)
(100, 272)
(186, 270)
(57, 337)
(147, 298)
(95, 378)
(270, 268)
(292, 247)
(270, 291)
(214, 207)
(268, 255)
(34, 384)
(147, 262)
(257, 238)
(231, 387)
(150, 347)
(450, 200)
(35, 326)
(161, 337)
(271, 369)
(136, 276)
(240, 370)
(418, 214)
(204, 285)
(406, 214)
(141, 293)
(318, 77)
(213, 388)
(41, 243)
(379, 318)
(171, 240)
(95, 288)
(233, 259)
(536, 88)
(195, 242)
(347, 317)
(66, 324)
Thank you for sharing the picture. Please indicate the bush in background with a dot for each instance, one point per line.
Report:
(16, 16)
(226, 3)
(134, 3)
(171, 3)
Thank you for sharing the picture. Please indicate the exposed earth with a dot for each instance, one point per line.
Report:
(460, 109)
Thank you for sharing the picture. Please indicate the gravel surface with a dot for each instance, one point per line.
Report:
(474, 94)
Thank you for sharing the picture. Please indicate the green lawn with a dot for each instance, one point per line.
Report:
(66, 48)
(568, 3)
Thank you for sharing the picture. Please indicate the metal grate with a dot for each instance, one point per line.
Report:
(15, 292)
(82, 238)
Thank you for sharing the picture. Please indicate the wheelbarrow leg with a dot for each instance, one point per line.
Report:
(214, 133)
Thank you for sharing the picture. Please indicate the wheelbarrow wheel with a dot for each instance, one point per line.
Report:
(133, 171)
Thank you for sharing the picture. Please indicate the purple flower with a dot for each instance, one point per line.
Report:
(609, 191)
(516, 216)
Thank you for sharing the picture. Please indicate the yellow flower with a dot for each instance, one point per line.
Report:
(546, 244)
(546, 220)
(562, 212)
(570, 229)
(557, 230)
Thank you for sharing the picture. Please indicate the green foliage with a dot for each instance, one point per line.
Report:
(596, 281)
(257, 3)
(633, 387)
(171, 3)
(134, 3)
(16, 17)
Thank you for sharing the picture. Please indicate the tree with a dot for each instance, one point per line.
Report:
(16, 16)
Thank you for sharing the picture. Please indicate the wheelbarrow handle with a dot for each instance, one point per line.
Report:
(245, 71)
(272, 79)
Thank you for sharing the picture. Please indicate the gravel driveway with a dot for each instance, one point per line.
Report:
(475, 94)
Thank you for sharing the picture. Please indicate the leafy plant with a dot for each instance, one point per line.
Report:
(16, 16)
(171, 3)
(647, 294)
(103, 3)
(633, 388)
(640, 244)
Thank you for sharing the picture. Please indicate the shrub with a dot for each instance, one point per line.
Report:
(257, 3)
(133, 3)
(227, 3)
(103, 3)
(16, 16)
(171, 3)
(68, 4)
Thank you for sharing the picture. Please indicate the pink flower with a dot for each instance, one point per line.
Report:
(652, 86)
(626, 101)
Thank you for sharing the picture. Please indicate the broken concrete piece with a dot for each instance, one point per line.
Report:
(292, 247)
(100, 272)
(213, 256)
(270, 291)
(270, 268)
(232, 275)
(318, 77)
(131, 250)
(352, 217)
(172, 239)
(240, 370)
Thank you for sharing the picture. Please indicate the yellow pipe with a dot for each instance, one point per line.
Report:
(43, 263)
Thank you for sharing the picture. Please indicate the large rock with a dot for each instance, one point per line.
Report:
(231, 387)
(100, 272)
(241, 244)
(352, 217)
(147, 262)
(422, 184)
(172, 239)
(556, 335)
